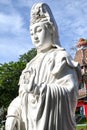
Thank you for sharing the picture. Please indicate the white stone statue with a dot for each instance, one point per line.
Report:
(49, 84)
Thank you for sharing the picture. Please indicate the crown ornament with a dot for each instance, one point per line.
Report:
(40, 13)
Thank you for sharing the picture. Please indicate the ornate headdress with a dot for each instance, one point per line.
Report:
(41, 12)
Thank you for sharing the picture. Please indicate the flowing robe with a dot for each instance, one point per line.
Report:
(50, 102)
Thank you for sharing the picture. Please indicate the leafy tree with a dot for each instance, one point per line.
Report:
(9, 77)
(28, 56)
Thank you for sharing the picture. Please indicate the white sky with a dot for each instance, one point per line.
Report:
(70, 15)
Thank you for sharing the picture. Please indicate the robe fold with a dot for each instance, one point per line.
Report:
(49, 100)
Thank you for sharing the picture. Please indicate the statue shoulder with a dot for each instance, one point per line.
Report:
(60, 54)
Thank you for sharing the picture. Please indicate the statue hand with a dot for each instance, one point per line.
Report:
(29, 86)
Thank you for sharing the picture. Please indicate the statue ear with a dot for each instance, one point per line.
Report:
(50, 28)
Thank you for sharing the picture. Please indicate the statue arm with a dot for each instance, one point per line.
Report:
(13, 114)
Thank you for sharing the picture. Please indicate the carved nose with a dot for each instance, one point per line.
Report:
(35, 37)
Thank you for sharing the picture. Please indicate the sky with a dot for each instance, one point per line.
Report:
(15, 40)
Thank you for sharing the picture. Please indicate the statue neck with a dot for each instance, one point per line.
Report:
(44, 49)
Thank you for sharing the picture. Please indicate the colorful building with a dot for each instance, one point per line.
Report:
(81, 57)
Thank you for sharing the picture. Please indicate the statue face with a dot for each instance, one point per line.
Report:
(40, 35)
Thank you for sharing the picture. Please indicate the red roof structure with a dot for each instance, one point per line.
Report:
(82, 42)
(81, 56)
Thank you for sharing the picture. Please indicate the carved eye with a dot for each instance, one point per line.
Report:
(39, 29)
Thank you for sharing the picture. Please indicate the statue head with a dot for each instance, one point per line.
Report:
(41, 13)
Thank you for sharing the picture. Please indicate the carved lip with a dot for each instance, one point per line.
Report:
(37, 41)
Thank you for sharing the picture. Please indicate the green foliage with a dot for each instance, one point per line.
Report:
(9, 77)
(28, 56)
(81, 127)
(2, 118)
